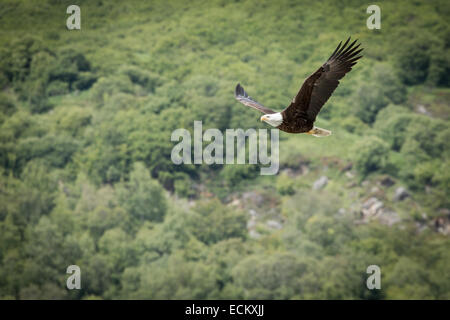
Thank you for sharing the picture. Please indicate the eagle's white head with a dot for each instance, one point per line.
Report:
(274, 119)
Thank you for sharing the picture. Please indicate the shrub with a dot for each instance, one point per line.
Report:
(183, 185)
(439, 71)
(105, 87)
(213, 222)
(16, 57)
(373, 96)
(285, 185)
(393, 129)
(7, 104)
(370, 99)
(234, 174)
(142, 196)
(390, 84)
(370, 155)
(145, 79)
(84, 81)
(56, 88)
(413, 62)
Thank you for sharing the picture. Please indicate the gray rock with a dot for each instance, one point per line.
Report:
(374, 209)
(236, 202)
(304, 169)
(388, 217)
(374, 189)
(254, 234)
(421, 109)
(274, 224)
(370, 202)
(349, 174)
(253, 197)
(252, 212)
(445, 212)
(401, 194)
(320, 183)
(251, 224)
(371, 207)
(421, 227)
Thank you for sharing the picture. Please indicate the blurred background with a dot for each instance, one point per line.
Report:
(86, 177)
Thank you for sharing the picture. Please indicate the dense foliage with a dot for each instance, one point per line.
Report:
(86, 176)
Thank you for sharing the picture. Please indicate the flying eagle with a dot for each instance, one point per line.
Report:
(300, 115)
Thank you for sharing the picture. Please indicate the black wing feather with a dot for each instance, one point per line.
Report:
(317, 88)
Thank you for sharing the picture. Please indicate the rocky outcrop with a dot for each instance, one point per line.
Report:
(320, 183)
(254, 197)
(374, 208)
(388, 217)
(371, 207)
(422, 110)
(401, 194)
(274, 224)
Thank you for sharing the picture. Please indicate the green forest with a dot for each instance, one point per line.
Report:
(86, 176)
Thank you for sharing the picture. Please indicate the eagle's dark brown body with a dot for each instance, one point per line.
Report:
(300, 115)
(299, 126)
(296, 120)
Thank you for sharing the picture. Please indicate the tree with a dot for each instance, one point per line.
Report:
(408, 281)
(383, 88)
(212, 222)
(370, 100)
(393, 126)
(275, 276)
(370, 154)
(413, 61)
(142, 196)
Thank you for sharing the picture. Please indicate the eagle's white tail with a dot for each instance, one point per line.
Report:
(319, 132)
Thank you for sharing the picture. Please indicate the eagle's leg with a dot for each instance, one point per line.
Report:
(319, 132)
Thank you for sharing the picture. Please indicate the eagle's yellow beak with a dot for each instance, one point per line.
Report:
(263, 118)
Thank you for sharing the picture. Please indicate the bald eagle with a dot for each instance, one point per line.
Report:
(300, 115)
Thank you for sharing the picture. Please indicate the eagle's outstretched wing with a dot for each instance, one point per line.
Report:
(244, 98)
(318, 87)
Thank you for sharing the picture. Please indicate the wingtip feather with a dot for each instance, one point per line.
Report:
(238, 90)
